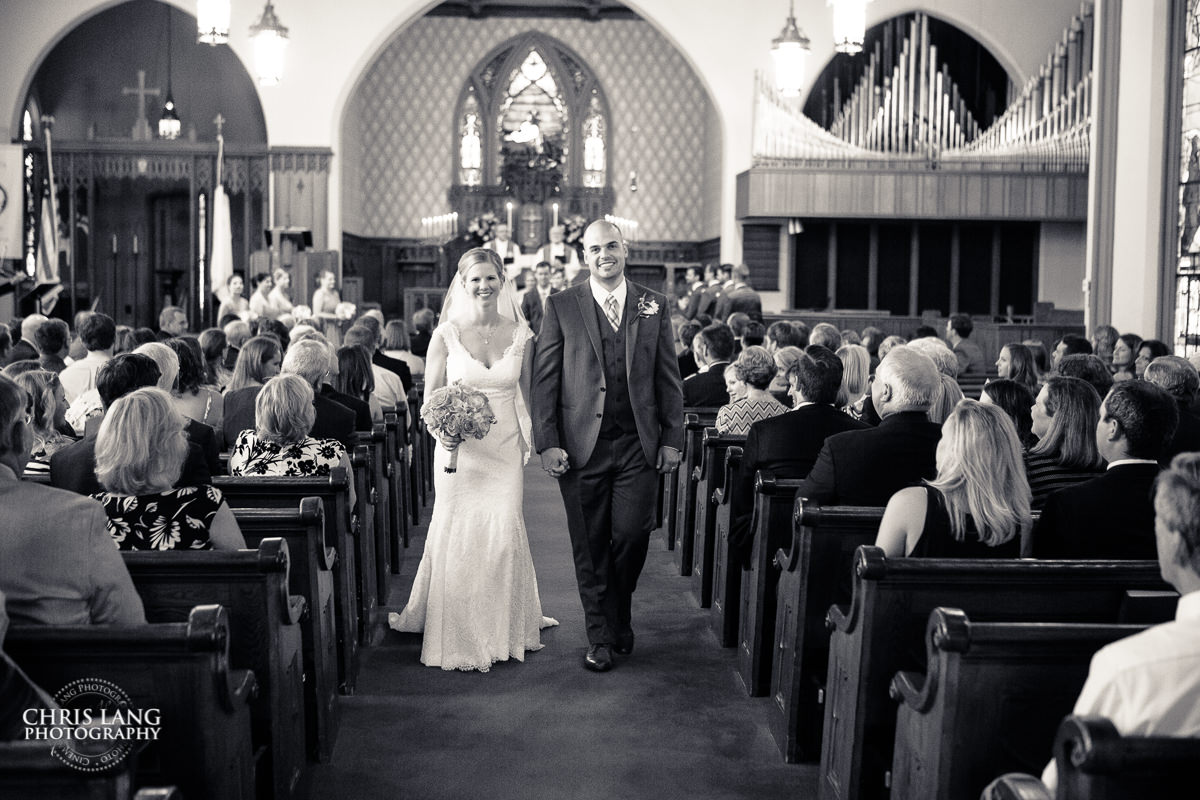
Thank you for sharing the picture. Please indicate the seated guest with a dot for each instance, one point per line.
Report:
(5, 344)
(57, 562)
(1124, 355)
(355, 381)
(1149, 684)
(871, 338)
(754, 369)
(1149, 350)
(1104, 338)
(1017, 401)
(423, 320)
(1064, 418)
(713, 347)
(733, 385)
(850, 336)
(1178, 378)
(856, 376)
(977, 506)
(924, 332)
(1069, 345)
(201, 433)
(1041, 356)
(1087, 367)
(1111, 516)
(236, 334)
(686, 357)
(866, 467)
(52, 340)
(392, 378)
(192, 398)
(1016, 363)
(969, 355)
(785, 359)
(826, 335)
(737, 322)
(753, 334)
(784, 334)
(788, 444)
(49, 427)
(396, 345)
(212, 344)
(99, 334)
(257, 363)
(23, 349)
(140, 452)
(74, 466)
(172, 322)
(947, 363)
(280, 442)
(18, 694)
(310, 359)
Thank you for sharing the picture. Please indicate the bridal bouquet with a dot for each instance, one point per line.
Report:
(456, 412)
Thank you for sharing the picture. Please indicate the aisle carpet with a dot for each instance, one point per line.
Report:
(671, 721)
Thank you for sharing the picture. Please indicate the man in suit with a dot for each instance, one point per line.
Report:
(533, 302)
(970, 357)
(393, 387)
(712, 348)
(1178, 378)
(608, 414)
(739, 297)
(1112, 516)
(866, 467)
(704, 297)
(74, 467)
(309, 359)
(58, 564)
(788, 444)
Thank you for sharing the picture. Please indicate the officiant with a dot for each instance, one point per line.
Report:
(558, 252)
(508, 250)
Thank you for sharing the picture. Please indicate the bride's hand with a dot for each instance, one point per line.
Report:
(450, 443)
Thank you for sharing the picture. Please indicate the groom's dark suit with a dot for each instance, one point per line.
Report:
(610, 399)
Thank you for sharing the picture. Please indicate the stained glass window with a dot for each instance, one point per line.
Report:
(471, 148)
(594, 145)
(532, 115)
(1187, 282)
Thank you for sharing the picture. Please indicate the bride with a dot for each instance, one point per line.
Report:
(475, 596)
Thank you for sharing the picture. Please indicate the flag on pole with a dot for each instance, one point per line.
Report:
(221, 259)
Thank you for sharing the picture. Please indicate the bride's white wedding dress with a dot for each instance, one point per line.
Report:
(475, 596)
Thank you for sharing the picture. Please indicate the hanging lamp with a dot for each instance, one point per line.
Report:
(789, 51)
(849, 25)
(270, 40)
(168, 124)
(212, 21)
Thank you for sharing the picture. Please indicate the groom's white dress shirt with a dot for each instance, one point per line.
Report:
(601, 294)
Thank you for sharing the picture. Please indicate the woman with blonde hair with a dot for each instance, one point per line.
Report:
(754, 370)
(785, 358)
(49, 418)
(856, 374)
(140, 452)
(977, 506)
(1065, 414)
(396, 344)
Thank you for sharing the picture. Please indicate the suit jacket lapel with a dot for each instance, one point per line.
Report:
(587, 310)
(631, 323)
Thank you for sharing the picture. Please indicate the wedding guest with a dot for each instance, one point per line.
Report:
(49, 428)
(52, 340)
(1178, 378)
(785, 359)
(257, 363)
(872, 337)
(753, 334)
(713, 348)
(390, 387)
(687, 357)
(234, 304)
(172, 321)
(5, 344)
(310, 359)
(1111, 516)
(704, 300)
(121, 343)
(969, 355)
(283, 441)
(423, 321)
(280, 297)
(78, 351)
(57, 562)
(355, 381)
(212, 344)
(98, 333)
(141, 336)
(325, 301)
(1089, 368)
(733, 387)
(1041, 356)
(558, 279)
(23, 349)
(866, 467)
(947, 363)
(1124, 354)
(140, 452)
(740, 297)
(396, 345)
(850, 336)
(924, 332)
(856, 363)
(19, 695)
(192, 398)
(74, 466)
(785, 334)
(1069, 345)
(826, 335)
(888, 344)
(737, 322)
(1016, 362)
(754, 370)
(977, 506)
(1149, 350)
(198, 432)
(1104, 338)
(533, 302)
(1064, 416)
(260, 297)
(1017, 401)
(236, 334)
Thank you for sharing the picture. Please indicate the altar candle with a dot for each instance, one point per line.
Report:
(509, 205)
(114, 244)
(555, 207)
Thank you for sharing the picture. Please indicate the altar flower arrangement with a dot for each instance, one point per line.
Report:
(482, 227)
(456, 412)
(344, 310)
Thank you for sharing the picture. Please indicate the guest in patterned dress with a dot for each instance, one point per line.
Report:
(754, 368)
(140, 452)
(49, 423)
(280, 444)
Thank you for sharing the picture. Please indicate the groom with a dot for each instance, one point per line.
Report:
(608, 413)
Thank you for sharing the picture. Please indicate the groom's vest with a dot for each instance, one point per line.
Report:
(618, 410)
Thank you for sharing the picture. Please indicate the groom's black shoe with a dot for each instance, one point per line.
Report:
(598, 658)
(624, 644)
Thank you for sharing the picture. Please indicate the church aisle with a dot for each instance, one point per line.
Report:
(668, 722)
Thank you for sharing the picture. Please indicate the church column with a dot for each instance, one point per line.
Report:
(1133, 190)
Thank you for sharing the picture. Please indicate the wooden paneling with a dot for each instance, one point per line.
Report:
(760, 252)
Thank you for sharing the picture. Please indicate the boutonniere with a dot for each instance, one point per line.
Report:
(647, 307)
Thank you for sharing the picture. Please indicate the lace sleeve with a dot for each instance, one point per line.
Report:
(524, 422)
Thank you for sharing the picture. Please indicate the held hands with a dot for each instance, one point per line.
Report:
(449, 443)
(554, 461)
(668, 459)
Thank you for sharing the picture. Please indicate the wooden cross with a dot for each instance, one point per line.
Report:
(219, 121)
(141, 128)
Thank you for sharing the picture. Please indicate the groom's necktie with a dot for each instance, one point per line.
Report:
(610, 310)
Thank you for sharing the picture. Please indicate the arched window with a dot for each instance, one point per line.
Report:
(470, 163)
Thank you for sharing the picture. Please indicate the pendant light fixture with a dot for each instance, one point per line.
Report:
(789, 52)
(168, 124)
(212, 21)
(270, 41)
(849, 25)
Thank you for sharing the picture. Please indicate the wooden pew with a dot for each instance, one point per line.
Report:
(1096, 763)
(815, 574)
(881, 634)
(726, 571)
(694, 423)
(381, 494)
(989, 701)
(263, 491)
(183, 670)
(710, 474)
(29, 772)
(396, 428)
(366, 586)
(772, 530)
(311, 576)
(252, 586)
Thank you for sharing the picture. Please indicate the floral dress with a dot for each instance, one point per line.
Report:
(177, 519)
(253, 455)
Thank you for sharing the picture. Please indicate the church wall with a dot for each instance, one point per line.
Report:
(659, 125)
(711, 223)
(1060, 264)
(351, 160)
